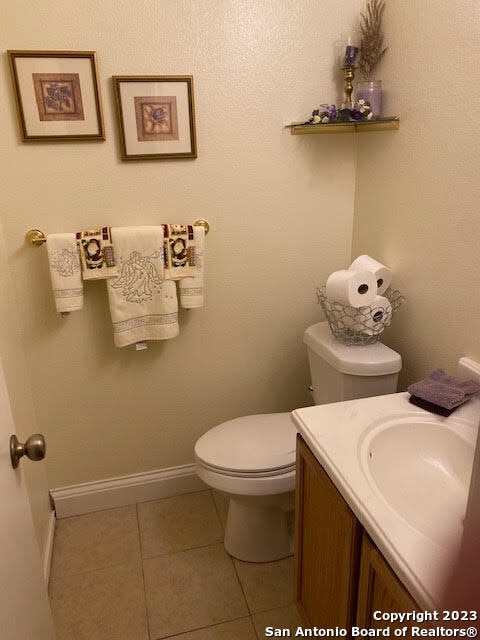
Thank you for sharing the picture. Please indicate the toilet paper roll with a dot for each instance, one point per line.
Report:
(376, 316)
(382, 274)
(351, 287)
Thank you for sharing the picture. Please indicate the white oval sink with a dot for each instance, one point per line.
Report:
(422, 469)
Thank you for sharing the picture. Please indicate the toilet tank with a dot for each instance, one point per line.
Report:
(340, 372)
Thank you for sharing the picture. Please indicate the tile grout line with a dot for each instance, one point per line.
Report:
(172, 553)
(208, 626)
(143, 572)
(241, 585)
(217, 511)
(234, 567)
(254, 627)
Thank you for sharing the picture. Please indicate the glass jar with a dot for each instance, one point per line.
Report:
(371, 92)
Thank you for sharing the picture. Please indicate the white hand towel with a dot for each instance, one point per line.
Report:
(192, 288)
(143, 306)
(65, 271)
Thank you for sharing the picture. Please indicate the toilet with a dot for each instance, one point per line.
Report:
(251, 459)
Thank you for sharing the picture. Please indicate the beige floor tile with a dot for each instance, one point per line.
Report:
(266, 585)
(242, 629)
(95, 541)
(191, 589)
(108, 604)
(178, 523)
(281, 618)
(221, 502)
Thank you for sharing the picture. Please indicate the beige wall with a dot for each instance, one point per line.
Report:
(418, 189)
(280, 209)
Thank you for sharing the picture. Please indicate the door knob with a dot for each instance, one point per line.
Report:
(34, 448)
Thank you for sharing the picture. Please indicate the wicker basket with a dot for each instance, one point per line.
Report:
(358, 326)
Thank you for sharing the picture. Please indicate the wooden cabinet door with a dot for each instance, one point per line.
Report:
(327, 547)
(379, 589)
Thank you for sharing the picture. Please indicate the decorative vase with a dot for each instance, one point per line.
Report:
(371, 92)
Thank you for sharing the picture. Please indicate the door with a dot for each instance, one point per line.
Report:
(24, 607)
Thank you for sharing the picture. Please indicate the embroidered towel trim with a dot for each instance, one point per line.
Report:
(142, 305)
(65, 271)
(191, 289)
(179, 251)
(97, 255)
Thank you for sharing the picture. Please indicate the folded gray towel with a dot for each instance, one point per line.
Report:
(466, 385)
(443, 390)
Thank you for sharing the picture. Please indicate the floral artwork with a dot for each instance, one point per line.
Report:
(58, 96)
(156, 118)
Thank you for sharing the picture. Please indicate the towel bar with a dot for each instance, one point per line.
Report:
(36, 238)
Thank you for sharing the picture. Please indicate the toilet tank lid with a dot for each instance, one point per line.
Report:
(361, 360)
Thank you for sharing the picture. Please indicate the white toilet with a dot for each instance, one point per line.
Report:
(252, 459)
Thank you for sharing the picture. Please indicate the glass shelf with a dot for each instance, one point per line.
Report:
(381, 124)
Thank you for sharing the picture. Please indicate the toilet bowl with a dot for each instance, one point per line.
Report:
(251, 459)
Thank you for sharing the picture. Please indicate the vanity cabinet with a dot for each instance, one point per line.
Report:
(340, 576)
(327, 547)
(379, 589)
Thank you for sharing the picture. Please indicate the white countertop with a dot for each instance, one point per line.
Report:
(334, 433)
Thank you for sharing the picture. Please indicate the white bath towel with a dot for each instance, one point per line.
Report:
(143, 306)
(65, 271)
(192, 288)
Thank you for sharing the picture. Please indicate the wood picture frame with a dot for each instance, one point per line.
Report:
(57, 95)
(156, 117)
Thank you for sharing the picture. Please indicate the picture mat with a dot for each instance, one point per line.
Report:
(35, 127)
(129, 90)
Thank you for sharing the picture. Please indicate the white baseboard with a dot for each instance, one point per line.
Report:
(47, 555)
(118, 492)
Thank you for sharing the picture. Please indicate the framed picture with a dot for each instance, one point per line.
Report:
(57, 95)
(156, 117)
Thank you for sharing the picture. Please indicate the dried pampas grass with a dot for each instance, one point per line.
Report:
(371, 47)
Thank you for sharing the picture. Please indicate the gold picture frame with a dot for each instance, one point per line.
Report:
(156, 117)
(57, 95)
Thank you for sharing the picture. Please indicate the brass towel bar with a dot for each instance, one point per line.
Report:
(35, 237)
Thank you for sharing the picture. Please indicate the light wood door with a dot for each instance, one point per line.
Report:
(24, 606)
(380, 590)
(327, 547)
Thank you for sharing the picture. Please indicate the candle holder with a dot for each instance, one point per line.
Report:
(348, 78)
(346, 53)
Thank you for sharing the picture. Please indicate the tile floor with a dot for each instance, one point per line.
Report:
(159, 570)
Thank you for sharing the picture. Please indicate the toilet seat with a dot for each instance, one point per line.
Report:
(253, 446)
(240, 474)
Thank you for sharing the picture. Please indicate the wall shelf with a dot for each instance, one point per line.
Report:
(382, 124)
